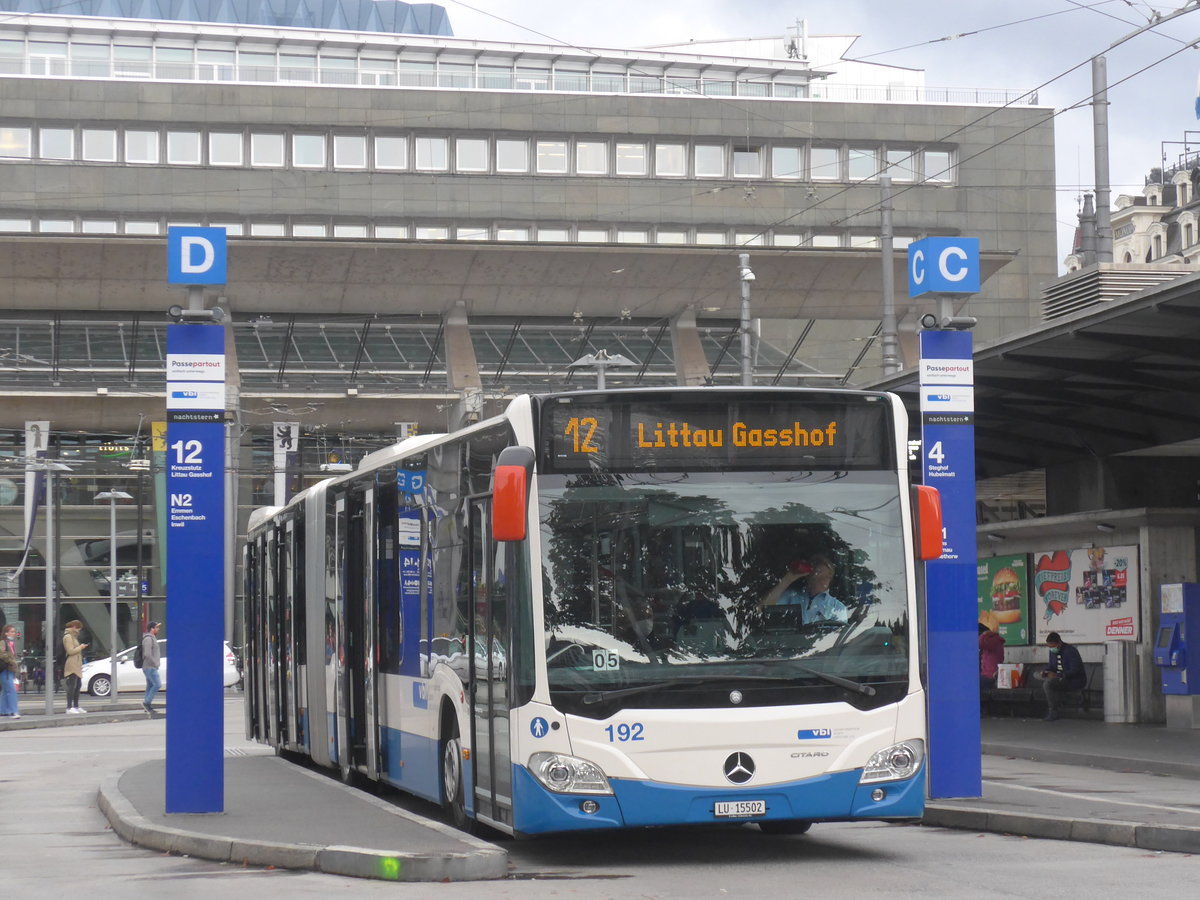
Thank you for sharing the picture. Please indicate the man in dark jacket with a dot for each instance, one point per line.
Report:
(1064, 673)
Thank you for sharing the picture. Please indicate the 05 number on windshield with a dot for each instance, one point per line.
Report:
(625, 732)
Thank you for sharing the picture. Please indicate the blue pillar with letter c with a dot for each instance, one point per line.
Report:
(950, 266)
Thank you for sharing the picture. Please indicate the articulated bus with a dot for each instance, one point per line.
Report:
(610, 609)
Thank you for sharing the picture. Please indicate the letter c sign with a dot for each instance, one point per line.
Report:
(195, 255)
(943, 266)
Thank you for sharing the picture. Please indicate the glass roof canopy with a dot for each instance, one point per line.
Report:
(386, 354)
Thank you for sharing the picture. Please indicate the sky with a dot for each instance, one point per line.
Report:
(1012, 44)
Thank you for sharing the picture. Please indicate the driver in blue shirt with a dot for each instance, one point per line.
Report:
(806, 584)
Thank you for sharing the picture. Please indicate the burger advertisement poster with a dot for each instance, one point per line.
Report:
(1089, 595)
(1004, 597)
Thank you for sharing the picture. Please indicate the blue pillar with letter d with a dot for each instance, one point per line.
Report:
(195, 464)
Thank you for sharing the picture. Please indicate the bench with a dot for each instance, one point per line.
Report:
(1031, 699)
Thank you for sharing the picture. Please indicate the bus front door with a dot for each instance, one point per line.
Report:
(491, 758)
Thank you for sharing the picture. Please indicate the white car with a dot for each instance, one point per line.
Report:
(97, 675)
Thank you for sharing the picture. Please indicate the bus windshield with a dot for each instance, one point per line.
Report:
(674, 589)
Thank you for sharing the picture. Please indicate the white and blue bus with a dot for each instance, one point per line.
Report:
(610, 609)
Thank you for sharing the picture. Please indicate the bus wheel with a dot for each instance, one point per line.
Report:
(452, 782)
(784, 826)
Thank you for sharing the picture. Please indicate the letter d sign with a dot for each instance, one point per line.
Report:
(195, 255)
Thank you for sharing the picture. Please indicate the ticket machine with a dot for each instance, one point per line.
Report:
(1178, 663)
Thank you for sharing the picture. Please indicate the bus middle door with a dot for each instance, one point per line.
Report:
(487, 651)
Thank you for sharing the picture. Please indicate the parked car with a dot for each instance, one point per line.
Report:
(97, 674)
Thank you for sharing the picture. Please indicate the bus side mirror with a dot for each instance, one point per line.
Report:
(928, 503)
(510, 493)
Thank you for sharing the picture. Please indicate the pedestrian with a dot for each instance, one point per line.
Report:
(9, 667)
(991, 654)
(1063, 674)
(73, 667)
(150, 663)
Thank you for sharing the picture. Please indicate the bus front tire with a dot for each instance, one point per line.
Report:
(452, 783)
(784, 826)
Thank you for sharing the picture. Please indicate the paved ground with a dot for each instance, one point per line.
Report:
(1074, 779)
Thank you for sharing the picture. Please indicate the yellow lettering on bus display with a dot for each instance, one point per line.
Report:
(662, 435)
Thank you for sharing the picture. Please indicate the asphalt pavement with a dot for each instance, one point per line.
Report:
(1071, 779)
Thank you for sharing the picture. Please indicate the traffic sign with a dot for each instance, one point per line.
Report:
(195, 255)
(942, 265)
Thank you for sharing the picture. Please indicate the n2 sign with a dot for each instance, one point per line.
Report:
(940, 265)
(195, 255)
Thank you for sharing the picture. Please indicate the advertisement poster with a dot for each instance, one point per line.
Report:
(1004, 597)
(1088, 596)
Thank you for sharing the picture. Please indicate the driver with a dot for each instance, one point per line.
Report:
(806, 584)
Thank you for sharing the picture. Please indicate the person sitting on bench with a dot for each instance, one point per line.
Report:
(1064, 673)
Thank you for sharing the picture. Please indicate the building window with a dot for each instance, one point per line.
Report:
(99, 226)
(349, 151)
(183, 148)
(512, 156)
(591, 158)
(90, 60)
(867, 241)
(512, 234)
(826, 240)
(267, 229)
(710, 161)
(633, 236)
(747, 162)
(100, 144)
(592, 236)
(56, 143)
(141, 227)
(750, 238)
(19, 225)
(132, 62)
(16, 143)
(471, 233)
(432, 233)
(308, 151)
(787, 239)
(938, 166)
(266, 150)
(391, 153)
(669, 236)
(711, 238)
(1188, 239)
(552, 157)
(232, 229)
(553, 235)
(349, 231)
(57, 226)
(902, 165)
(392, 232)
(141, 147)
(631, 159)
(311, 230)
(786, 162)
(225, 149)
(670, 160)
(825, 164)
(470, 155)
(432, 154)
(863, 163)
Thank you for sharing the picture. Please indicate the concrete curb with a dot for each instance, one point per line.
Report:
(482, 862)
(61, 720)
(1095, 760)
(1173, 838)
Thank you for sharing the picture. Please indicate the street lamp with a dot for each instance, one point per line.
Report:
(112, 497)
(602, 359)
(49, 467)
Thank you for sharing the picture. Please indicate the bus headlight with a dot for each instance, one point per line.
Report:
(894, 763)
(568, 774)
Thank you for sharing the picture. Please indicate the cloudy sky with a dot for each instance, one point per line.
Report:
(1015, 44)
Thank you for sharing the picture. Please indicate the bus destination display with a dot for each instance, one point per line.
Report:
(640, 435)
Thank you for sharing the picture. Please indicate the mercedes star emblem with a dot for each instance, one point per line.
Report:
(739, 768)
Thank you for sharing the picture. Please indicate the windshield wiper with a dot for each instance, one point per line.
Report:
(601, 696)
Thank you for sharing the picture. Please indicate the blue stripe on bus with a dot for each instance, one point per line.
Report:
(834, 797)
(421, 773)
